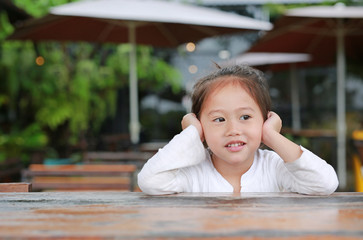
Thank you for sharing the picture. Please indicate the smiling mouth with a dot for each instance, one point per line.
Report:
(235, 144)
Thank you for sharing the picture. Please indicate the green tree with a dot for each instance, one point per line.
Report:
(69, 91)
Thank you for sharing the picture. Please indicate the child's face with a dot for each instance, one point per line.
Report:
(232, 125)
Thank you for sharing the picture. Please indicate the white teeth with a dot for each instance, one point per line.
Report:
(234, 145)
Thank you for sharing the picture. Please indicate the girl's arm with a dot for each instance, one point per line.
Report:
(307, 173)
(161, 174)
(271, 137)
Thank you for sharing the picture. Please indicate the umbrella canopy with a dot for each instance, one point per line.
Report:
(285, 60)
(157, 23)
(148, 22)
(327, 33)
(270, 58)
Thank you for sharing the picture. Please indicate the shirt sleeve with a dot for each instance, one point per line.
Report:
(309, 175)
(161, 175)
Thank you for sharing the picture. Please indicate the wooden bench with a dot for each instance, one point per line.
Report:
(15, 187)
(137, 158)
(80, 177)
(152, 147)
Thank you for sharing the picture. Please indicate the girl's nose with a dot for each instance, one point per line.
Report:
(233, 128)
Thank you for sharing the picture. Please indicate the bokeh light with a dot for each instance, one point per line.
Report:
(39, 61)
(224, 54)
(193, 69)
(190, 47)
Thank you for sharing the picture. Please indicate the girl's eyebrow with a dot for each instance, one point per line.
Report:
(246, 109)
(219, 111)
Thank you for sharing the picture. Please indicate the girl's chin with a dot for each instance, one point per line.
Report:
(235, 161)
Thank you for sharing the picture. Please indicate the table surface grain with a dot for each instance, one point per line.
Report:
(125, 215)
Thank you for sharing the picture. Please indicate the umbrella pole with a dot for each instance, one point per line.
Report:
(134, 99)
(341, 121)
(295, 99)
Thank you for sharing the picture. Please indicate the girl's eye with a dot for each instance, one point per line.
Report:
(220, 119)
(245, 117)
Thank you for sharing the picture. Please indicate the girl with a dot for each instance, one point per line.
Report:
(232, 117)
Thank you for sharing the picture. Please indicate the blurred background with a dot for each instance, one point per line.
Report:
(59, 100)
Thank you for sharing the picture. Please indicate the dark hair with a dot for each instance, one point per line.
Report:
(249, 78)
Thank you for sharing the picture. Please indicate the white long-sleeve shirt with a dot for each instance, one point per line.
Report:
(184, 165)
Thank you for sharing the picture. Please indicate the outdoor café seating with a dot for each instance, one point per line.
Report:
(15, 187)
(81, 177)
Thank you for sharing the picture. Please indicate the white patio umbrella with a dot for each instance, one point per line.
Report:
(149, 22)
(288, 60)
(323, 32)
(270, 58)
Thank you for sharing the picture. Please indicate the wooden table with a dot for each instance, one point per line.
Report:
(120, 215)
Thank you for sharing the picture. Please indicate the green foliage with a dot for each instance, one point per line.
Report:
(72, 93)
(30, 138)
(153, 73)
(57, 92)
(5, 26)
(38, 8)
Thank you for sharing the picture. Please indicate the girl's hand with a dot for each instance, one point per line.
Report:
(272, 138)
(271, 126)
(191, 119)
